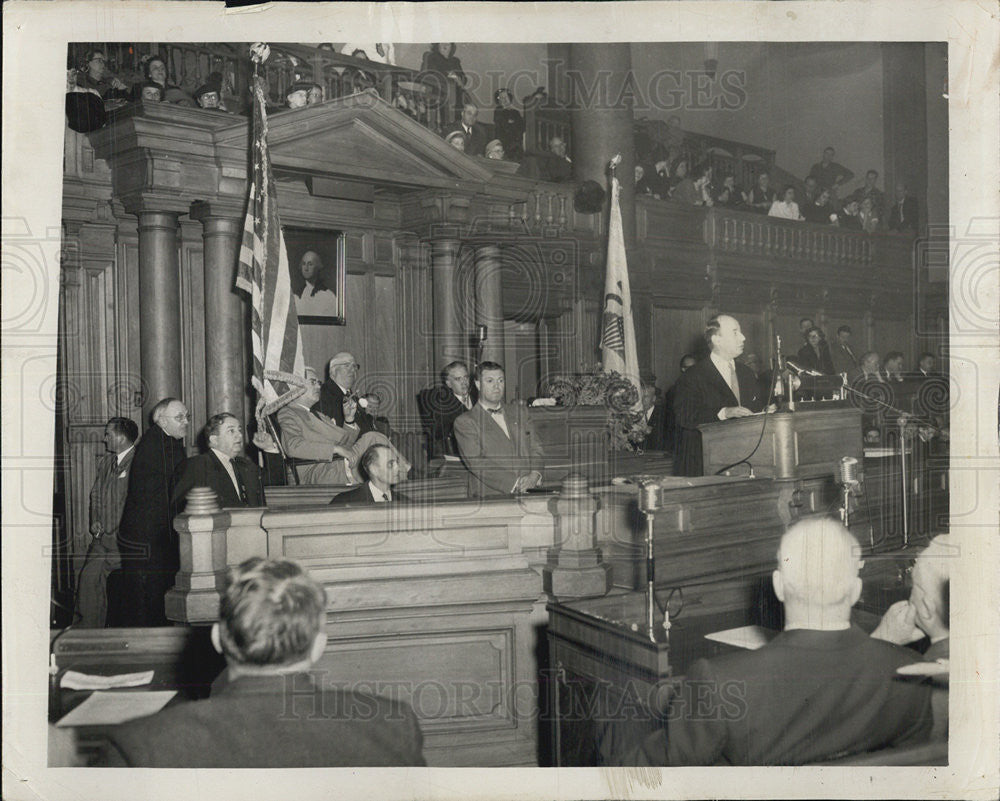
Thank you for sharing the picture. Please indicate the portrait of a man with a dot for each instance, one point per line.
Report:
(316, 266)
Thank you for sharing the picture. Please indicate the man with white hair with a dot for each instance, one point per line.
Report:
(337, 397)
(821, 689)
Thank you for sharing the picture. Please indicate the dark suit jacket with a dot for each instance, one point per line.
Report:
(146, 536)
(440, 408)
(806, 696)
(701, 393)
(331, 403)
(807, 358)
(844, 361)
(494, 460)
(909, 219)
(361, 496)
(107, 495)
(205, 470)
(656, 439)
(272, 722)
(475, 145)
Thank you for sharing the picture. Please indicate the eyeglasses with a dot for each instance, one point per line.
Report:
(182, 418)
(354, 366)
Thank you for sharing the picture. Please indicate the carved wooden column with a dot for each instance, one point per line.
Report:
(201, 532)
(489, 301)
(159, 307)
(576, 567)
(226, 377)
(449, 340)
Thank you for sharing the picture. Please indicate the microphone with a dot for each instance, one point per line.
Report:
(848, 470)
(799, 370)
(481, 333)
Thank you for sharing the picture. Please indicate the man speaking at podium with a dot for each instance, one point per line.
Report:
(717, 388)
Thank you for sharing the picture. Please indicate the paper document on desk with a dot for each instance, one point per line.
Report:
(749, 637)
(72, 680)
(111, 708)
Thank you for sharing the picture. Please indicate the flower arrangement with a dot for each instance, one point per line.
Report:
(627, 428)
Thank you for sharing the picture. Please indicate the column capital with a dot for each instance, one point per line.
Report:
(205, 210)
(148, 203)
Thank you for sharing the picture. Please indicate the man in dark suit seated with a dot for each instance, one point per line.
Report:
(475, 134)
(716, 388)
(903, 215)
(497, 441)
(819, 690)
(234, 478)
(381, 467)
(440, 407)
(343, 374)
(270, 710)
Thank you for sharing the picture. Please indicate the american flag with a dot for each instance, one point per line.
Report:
(263, 274)
(618, 347)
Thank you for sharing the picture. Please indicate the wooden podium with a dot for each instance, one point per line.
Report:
(806, 443)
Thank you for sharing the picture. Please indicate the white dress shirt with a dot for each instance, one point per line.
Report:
(499, 419)
(378, 495)
(727, 369)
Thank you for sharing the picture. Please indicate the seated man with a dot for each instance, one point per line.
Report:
(381, 467)
(343, 371)
(442, 405)
(820, 689)
(926, 615)
(234, 478)
(271, 711)
(496, 440)
(335, 450)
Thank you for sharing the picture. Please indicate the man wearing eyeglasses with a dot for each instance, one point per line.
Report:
(146, 538)
(337, 399)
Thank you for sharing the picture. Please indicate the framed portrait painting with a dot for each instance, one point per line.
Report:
(316, 265)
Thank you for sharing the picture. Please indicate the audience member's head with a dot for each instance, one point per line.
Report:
(930, 594)
(823, 198)
(817, 575)
(870, 178)
(224, 432)
(788, 194)
(297, 95)
(502, 98)
(702, 173)
(680, 168)
(316, 94)
(851, 207)
(844, 334)
(490, 383)
(151, 92)
(814, 336)
(470, 113)
(926, 362)
(763, 181)
(805, 324)
(869, 362)
(494, 150)
(724, 336)
(457, 140)
(344, 369)
(456, 378)
(381, 466)
(640, 171)
(811, 186)
(894, 362)
(271, 618)
(96, 64)
(207, 96)
(155, 70)
(828, 154)
(900, 192)
(687, 362)
(120, 434)
(557, 146)
(172, 416)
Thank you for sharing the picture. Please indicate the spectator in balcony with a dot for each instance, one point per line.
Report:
(730, 195)
(815, 354)
(926, 366)
(475, 135)
(297, 95)
(869, 190)
(657, 178)
(678, 172)
(804, 325)
(150, 92)
(829, 174)
(868, 369)
(494, 150)
(848, 217)
(892, 370)
(820, 210)
(761, 197)
(508, 124)
(445, 73)
(695, 190)
(156, 71)
(558, 166)
(378, 52)
(868, 216)
(811, 191)
(844, 358)
(315, 95)
(903, 216)
(786, 208)
(457, 140)
(209, 94)
(96, 76)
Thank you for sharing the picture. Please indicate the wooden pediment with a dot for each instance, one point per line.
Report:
(361, 136)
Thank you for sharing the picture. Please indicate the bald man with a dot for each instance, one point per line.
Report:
(821, 689)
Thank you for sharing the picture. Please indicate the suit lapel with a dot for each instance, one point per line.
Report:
(721, 383)
(223, 476)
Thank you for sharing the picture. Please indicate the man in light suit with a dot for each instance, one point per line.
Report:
(496, 440)
(716, 388)
(272, 710)
(821, 689)
(381, 467)
(107, 499)
(309, 434)
(234, 478)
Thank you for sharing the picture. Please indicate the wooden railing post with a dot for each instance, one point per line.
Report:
(576, 566)
(201, 531)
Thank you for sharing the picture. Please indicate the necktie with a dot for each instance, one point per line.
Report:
(239, 483)
(734, 384)
(498, 410)
(385, 498)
